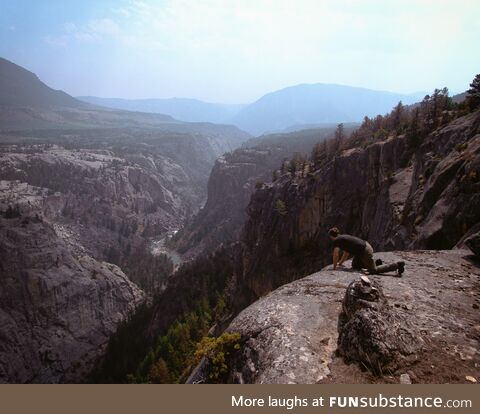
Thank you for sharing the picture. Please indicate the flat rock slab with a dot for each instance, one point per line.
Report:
(291, 334)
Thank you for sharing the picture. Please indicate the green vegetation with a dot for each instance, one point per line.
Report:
(165, 352)
(168, 361)
(218, 352)
(414, 122)
(473, 94)
(154, 270)
(125, 349)
(281, 207)
(297, 163)
(435, 110)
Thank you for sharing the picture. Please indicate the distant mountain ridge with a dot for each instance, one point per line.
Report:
(294, 108)
(26, 103)
(315, 104)
(20, 87)
(183, 109)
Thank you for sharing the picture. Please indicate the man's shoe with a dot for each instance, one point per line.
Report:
(401, 268)
(378, 262)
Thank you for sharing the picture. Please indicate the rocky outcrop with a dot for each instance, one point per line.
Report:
(291, 334)
(58, 309)
(444, 199)
(98, 189)
(373, 333)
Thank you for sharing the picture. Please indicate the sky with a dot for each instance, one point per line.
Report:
(234, 51)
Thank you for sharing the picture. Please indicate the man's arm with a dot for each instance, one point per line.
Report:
(336, 253)
(344, 257)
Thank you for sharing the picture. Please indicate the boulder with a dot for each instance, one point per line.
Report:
(373, 333)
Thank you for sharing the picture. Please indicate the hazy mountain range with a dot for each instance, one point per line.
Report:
(292, 108)
(28, 103)
(316, 104)
(183, 109)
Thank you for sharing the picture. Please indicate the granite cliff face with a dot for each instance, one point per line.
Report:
(231, 183)
(58, 308)
(395, 198)
(425, 325)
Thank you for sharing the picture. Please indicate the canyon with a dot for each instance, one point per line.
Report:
(127, 237)
(83, 193)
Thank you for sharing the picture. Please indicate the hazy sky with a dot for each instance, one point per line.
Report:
(235, 51)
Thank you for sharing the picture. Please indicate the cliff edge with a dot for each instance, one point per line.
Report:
(291, 334)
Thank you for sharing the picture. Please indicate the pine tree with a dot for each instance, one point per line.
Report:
(473, 94)
(295, 163)
(435, 106)
(315, 156)
(413, 133)
(339, 136)
(159, 373)
(304, 166)
(397, 115)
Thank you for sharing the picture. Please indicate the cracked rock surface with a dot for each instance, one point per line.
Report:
(290, 335)
(57, 310)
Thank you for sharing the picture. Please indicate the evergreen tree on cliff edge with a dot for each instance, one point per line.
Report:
(473, 94)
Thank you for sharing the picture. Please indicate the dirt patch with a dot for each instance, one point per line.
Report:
(435, 366)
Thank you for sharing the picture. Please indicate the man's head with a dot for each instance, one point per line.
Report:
(333, 233)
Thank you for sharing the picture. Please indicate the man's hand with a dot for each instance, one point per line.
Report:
(343, 258)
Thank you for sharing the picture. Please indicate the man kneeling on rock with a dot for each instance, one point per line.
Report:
(362, 254)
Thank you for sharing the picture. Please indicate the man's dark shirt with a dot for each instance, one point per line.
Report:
(350, 244)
